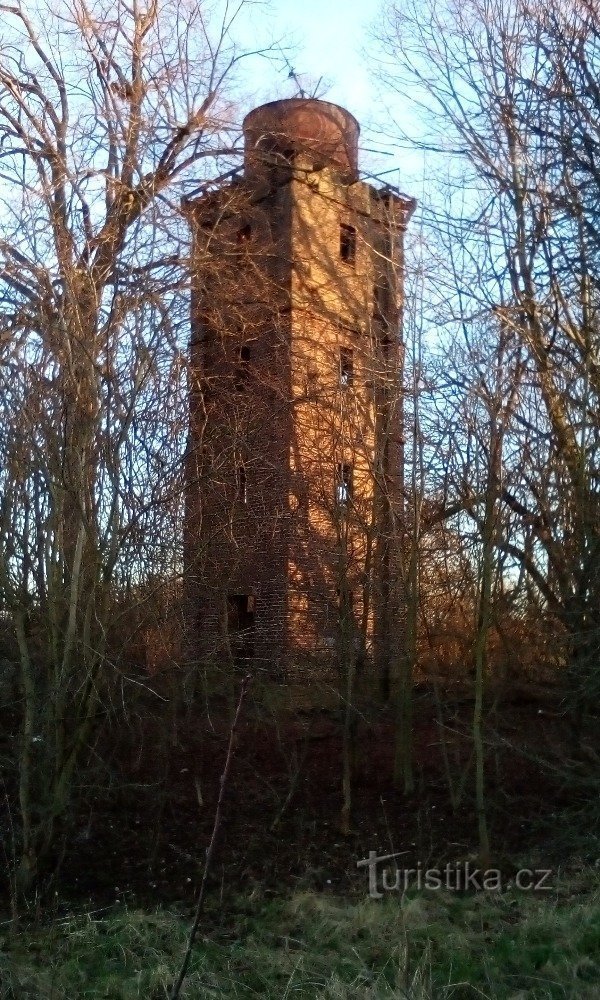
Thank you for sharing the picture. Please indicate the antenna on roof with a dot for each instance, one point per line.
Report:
(313, 92)
(292, 75)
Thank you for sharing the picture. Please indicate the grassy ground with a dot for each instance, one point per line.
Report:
(513, 945)
(300, 924)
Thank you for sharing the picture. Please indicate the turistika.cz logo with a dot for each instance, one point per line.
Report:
(458, 876)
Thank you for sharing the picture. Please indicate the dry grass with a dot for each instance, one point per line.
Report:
(510, 945)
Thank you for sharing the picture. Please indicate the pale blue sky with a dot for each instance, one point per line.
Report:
(327, 38)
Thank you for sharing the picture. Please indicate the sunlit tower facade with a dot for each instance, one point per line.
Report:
(294, 517)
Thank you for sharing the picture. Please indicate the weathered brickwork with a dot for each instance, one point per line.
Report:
(294, 472)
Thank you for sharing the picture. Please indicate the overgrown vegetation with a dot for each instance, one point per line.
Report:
(419, 946)
(477, 735)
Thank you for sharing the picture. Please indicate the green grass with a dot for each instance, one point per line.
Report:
(510, 945)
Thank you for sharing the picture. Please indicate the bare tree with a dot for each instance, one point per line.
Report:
(108, 114)
(511, 99)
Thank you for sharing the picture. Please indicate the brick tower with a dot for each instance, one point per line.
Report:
(294, 471)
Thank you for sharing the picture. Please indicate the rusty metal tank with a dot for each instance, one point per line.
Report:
(327, 133)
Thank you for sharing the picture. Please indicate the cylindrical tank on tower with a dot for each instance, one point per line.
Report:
(326, 133)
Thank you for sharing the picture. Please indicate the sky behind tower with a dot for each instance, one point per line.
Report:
(325, 43)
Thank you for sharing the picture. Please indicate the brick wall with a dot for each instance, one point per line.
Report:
(275, 424)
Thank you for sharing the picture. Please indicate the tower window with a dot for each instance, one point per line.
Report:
(240, 611)
(241, 620)
(386, 348)
(347, 243)
(346, 366)
(241, 372)
(242, 483)
(379, 300)
(343, 486)
(345, 598)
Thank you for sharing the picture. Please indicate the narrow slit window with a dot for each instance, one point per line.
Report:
(379, 300)
(242, 483)
(345, 598)
(343, 487)
(241, 621)
(242, 371)
(346, 366)
(347, 243)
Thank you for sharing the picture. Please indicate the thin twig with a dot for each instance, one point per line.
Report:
(211, 847)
